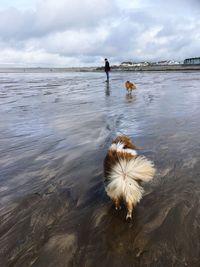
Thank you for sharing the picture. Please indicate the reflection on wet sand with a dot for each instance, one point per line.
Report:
(107, 90)
(130, 98)
(53, 208)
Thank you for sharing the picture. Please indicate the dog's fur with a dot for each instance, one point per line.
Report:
(124, 171)
(130, 87)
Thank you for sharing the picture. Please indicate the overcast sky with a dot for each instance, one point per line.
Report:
(83, 32)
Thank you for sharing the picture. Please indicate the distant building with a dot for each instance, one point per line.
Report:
(142, 63)
(163, 62)
(173, 62)
(133, 64)
(167, 62)
(195, 60)
(146, 63)
(126, 64)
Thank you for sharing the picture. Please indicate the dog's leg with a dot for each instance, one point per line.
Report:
(117, 204)
(129, 205)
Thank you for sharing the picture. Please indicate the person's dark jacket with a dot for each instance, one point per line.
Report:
(107, 66)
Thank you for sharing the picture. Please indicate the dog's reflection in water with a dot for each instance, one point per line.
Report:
(130, 98)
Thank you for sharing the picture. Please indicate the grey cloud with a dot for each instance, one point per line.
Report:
(89, 30)
(51, 16)
(15, 24)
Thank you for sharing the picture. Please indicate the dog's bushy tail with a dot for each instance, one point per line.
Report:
(125, 175)
(139, 168)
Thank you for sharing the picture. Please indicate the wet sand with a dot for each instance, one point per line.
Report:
(54, 132)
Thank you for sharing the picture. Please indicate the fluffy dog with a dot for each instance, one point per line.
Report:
(124, 170)
(130, 87)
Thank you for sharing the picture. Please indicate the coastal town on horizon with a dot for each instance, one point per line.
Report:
(193, 63)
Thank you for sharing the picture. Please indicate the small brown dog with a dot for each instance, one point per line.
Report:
(130, 86)
(124, 171)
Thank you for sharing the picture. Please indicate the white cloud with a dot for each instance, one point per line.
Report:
(36, 58)
(71, 42)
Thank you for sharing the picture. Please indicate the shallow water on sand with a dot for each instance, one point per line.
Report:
(54, 133)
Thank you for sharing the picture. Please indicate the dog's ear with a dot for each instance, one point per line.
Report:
(119, 139)
(126, 141)
(131, 146)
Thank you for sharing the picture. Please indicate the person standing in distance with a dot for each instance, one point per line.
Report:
(107, 69)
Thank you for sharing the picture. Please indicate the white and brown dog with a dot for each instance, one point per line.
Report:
(130, 87)
(124, 170)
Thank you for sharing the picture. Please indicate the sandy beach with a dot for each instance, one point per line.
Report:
(55, 129)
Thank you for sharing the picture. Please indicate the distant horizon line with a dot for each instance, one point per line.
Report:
(6, 66)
